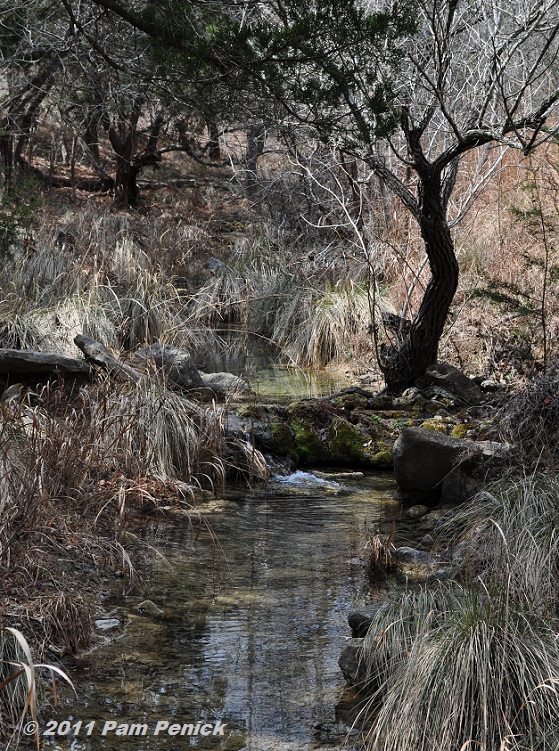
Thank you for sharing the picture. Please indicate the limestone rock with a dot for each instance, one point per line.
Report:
(26, 361)
(424, 458)
(452, 379)
(149, 608)
(458, 487)
(352, 664)
(359, 624)
(106, 624)
(411, 555)
(225, 384)
(427, 541)
(177, 364)
(12, 394)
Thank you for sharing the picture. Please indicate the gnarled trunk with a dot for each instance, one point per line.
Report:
(418, 345)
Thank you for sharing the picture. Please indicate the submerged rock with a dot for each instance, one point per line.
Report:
(149, 608)
(416, 557)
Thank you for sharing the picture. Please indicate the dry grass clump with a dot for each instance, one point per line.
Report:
(476, 663)
(68, 439)
(379, 558)
(311, 309)
(100, 276)
(510, 534)
(457, 667)
(530, 421)
(316, 326)
(22, 681)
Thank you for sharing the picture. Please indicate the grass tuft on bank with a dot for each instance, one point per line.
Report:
(475, 663)
(454, 667)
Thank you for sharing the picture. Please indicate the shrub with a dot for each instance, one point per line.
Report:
(530, 421)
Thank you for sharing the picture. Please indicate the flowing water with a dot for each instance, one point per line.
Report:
(250, 631)
(253, 615)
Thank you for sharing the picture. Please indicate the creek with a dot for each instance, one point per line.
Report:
(256, 360)
(254, 619)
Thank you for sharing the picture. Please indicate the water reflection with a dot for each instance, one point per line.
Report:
(256, 359)
(249, 635)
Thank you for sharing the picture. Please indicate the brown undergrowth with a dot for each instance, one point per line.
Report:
(77, 461)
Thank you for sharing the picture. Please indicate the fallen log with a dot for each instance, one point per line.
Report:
(99, 355)
(27, 361)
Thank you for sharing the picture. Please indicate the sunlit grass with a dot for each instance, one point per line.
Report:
(511, 534)
(455, 667)
(21, 679)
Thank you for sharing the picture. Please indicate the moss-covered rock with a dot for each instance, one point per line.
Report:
(459, 431)
(309, 447)
(350, 445)
(282, 442)
(346, 443)
(351, 401)
(382, 459)
(432, 407)
(437, 425)
(309, 420)
(316, 432)
(252, 411)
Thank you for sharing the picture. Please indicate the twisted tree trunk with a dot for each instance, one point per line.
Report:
(418, 344)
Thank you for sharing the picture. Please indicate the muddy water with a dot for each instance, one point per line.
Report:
(250, 633)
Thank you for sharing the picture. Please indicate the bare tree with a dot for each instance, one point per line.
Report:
(425, 81)
(473, 74)
(476, 74)
(29, 64)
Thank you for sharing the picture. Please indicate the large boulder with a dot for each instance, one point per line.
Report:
(453, 381)
(423, 459)
(177, 364)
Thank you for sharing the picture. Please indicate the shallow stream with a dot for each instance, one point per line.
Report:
(256, 360)
(254, 612)
(252, 626)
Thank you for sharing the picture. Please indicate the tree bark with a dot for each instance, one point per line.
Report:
(418, 346)
(123, 135)
(214, 149)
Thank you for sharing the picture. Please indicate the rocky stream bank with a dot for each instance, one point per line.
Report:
(437, 438)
